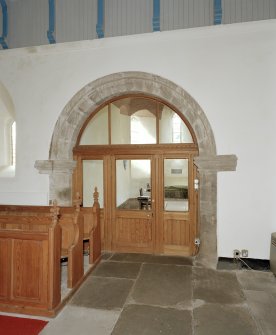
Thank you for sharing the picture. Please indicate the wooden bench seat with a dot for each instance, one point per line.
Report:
(33, 239)
(30, 262)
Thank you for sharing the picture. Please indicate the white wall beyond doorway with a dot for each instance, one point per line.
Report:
(229, 70)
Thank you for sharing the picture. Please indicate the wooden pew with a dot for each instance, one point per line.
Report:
(71, 222)
(92, 228)
(30, 245)
(32, 241)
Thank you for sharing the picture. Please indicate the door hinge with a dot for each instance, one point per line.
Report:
(196, 184)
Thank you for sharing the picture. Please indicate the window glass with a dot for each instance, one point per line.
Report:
(7, 144)
(133, 121)
(133, 178)
(172, 129)
(176, 185)
(13, 143)
(96, 131)
(92, 177)
(120, 123)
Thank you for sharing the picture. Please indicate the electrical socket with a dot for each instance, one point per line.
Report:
(236, 253)
(197, 241)
(244, 253)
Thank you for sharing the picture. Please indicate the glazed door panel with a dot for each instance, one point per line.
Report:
(178, 206)
(133, 214)
(149, 203)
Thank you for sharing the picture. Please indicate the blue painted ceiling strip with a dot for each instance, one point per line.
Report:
(217, 12)
(5, 25)
(156, 15)
(100, 20)
(52, 19)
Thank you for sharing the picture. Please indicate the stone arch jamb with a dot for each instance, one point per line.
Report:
(61, 165)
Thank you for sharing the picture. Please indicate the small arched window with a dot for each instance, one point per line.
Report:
(135, 120)
(13, 144)
(7, 145)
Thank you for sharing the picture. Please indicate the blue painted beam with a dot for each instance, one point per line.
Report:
(156, 15)
(52, 19)
(5, 24)
(217, 12)
(100, 20)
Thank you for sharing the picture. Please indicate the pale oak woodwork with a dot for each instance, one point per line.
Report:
(30, 252)
(30, 263)
(130, 231)
(158, 231)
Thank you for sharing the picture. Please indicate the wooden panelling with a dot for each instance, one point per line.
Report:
(247, 10)
(125, 17)
(76, 20)
(133, 231)
(30, 251)
(28, 282)
(28, 23)
(179, 14)
(71, 223)
(5, 261)
(177, 232)
(130, 228)
(30, 268)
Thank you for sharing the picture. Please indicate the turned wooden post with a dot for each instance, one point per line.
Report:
(95, 242)
(75, 251)
(54, 258)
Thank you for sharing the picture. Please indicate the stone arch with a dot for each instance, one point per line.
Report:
(60, 164)
(101, 90)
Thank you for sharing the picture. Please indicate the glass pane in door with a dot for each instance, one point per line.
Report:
(92, 177)
(176, 185)
(133, 184)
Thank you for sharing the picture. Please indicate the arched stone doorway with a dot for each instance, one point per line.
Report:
(61, 165)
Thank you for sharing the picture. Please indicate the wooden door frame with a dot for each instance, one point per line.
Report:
(134, 156)
(157, 153)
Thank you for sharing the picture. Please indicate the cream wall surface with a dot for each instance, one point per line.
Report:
(229, 70)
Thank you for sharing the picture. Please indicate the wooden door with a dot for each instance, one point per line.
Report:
(133, 205)
(163, 218)
(177, 205)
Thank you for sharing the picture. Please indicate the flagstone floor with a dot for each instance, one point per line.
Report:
(136, 294)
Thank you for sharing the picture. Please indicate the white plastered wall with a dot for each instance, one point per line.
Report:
(229, 70)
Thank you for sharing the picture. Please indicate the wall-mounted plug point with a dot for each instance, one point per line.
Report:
(236, 253)
(244, 253)
(197, 241)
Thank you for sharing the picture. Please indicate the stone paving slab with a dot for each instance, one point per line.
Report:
(163, 285)
(103, 293)
(106, 256)
(117, 269)
(156, 259)
(217, 319)
(263, 307)
(216, 286)
(149, 320)
(79, 320)
(257, 281)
